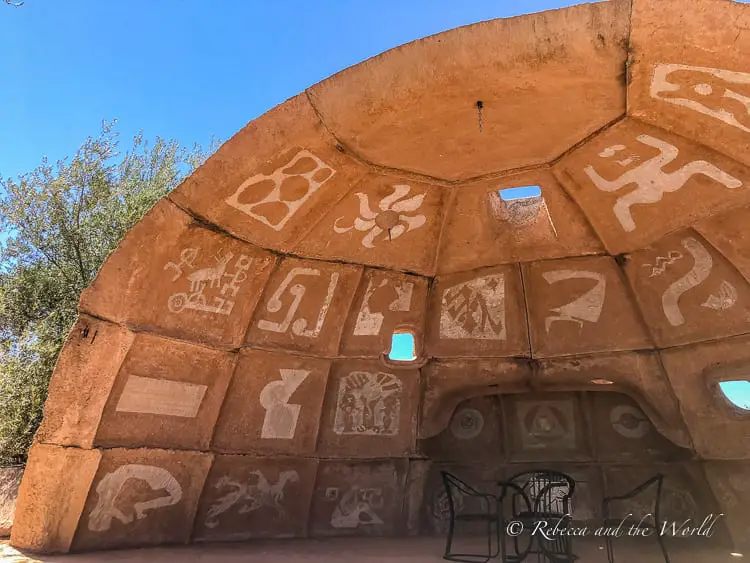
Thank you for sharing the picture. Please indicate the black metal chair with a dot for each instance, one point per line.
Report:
(487, 510)
(655, 525)
(540, 501)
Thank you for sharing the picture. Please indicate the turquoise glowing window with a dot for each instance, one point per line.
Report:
(737, 393)
(403, 347)
(511, 194)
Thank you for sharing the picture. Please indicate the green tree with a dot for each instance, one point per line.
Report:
(61, 222)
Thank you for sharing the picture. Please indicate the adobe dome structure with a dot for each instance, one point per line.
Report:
(229, 374)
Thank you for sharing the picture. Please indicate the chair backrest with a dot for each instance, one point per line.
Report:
(647, 505)
(546, 491)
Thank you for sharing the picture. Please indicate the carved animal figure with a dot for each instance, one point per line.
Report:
(212, 276)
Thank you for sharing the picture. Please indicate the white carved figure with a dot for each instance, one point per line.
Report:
(650, 179)
(699, 273)
(474, 309)
(587, 308)
(299, 327)
(716, 83)
(148, 395)
(629, 421)
(212, 288)
(159, 479)
(357, 507)
(662, 262)
(368, 404)
(281, 417)
(369, 322)
(289, 186)
(390, 219)
(257, 495)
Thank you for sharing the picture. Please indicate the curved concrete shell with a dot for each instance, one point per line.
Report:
(228, 377)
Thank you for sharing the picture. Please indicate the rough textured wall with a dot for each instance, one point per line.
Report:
(226, 378)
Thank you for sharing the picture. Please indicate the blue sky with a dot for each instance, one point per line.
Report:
(189, 69)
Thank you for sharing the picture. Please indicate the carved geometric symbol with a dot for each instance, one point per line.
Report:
(158, 478)
(286, 189)
(709, 89)
(370, 322)
(298, 291)
(629, 421)
(703, 264)
(467, 424)
(587, 308)
(650, 178)
(357, 507)
(281, 418)
(390, 220)
(546, 423)
(474, 309)
(257, 495)
(161, 396)
(368, 404)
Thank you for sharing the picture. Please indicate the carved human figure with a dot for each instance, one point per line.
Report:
(711, 91)
(474, 309)
(368, 404)
(275, 304)
(273, 199)
(108, 489)
(587, 307)
(258, 495)
(381, 295)
(281, 418)
(649, 177)
(357, 507)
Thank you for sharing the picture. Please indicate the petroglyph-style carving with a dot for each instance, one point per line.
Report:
(724, 299)
(158, 478)
(660, 264)
(587, 308)
(281, 417)
(467, 424)
(651, 180)
(440, 509)
(474, 309)
(147, 395)
(369, 322)
(287, 189)
(368, 404)
(391, 217)
(225, 285)
(256, 495)
(298, 292)
(547, 423)
(629, 421)
(703, 263)
(357, 507)
(711, 85)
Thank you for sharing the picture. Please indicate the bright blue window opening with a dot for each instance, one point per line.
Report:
(510, 194)
(403, 348)
(738, 393)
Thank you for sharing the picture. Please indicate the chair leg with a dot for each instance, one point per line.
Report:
(610, 549)
(663, 546)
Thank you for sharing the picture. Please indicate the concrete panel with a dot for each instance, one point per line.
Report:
(273, 180)
(729, 235)
(692, 76)
(478, 314)
(385, 301)
(52, 496)
(719, 430)
(369, 411)
(384, 221)
(273, 405)
(364, 499)
(729, 483)
(636, 183)
(581, 305)
(688, 292)
(302, 304)
(171, 275)
(484, 230)
(414, 107)
(247, 497)
(167, 395)
(142, 497)
(82, 381)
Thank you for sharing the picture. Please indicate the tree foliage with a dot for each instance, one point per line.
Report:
(61, 222)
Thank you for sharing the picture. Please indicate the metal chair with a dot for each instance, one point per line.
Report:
(489, 511)
(540, 501)
(609, 522)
